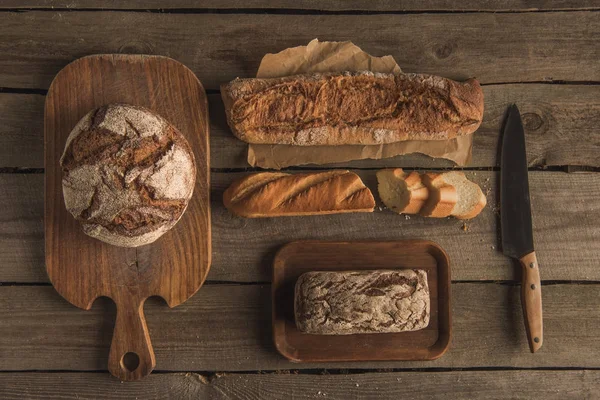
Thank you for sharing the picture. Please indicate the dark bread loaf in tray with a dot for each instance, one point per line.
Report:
(351, 108)
(352, 302)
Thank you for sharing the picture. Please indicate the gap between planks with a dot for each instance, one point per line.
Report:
(311, 371)
(548, 282)
(43, 92)
(549, 168)
(291, 11)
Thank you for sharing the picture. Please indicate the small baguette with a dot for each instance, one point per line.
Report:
(273, 194)
(351, 108)
(401, 192)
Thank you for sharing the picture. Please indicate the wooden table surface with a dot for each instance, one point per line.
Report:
(542, 54)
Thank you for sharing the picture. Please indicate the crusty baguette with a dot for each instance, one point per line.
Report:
(351, 108)
(401, 192)
(272, 194)
(352, 302)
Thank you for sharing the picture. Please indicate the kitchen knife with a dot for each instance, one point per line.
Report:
(517, 235)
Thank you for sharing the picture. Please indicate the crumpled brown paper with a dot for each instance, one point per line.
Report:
(324, 57)
(336, 57)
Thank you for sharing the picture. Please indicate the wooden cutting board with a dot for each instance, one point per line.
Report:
(296, 258)
(82, 268)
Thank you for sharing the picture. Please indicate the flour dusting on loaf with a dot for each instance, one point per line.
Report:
(351, 108)
(352, 302)
(128, 174)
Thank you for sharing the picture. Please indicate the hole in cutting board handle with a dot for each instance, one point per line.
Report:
(130, 361)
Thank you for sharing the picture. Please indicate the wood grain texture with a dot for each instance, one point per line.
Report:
(22, 227)
(547, 385)
(296, 258)
(227, 328)
(516, 47)
(21, 130)
(330, 5)
(243, 249)
(560, 126)
(82, 268)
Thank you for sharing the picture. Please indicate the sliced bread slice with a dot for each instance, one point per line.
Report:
(471, 199)
(443, 196)
(401, 192)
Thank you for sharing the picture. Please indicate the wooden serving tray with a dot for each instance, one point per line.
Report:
(296, 258)
(82, 268)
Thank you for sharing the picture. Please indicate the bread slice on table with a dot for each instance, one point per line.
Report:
(451, 193)
(274, 194)
(471, 199)
(401, 192)
(442, 196)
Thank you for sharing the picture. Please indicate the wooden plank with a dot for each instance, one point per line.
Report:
(330, 5)
(547, 385)
(22, 228)
(566, 221)
(503, 47)
(228, 328)
(564, 206)
(560, 123)
(21, 130)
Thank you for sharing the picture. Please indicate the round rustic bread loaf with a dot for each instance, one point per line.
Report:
(128, 174)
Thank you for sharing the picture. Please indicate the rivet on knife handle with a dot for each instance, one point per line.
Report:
(531, 298)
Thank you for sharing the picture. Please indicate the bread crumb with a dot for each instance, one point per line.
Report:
(465, 227)
(406, 216)
(357, 385)
(493, 247)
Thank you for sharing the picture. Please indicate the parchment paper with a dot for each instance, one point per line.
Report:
(336, 57)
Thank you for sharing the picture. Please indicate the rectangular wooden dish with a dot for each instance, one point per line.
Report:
(296, 258)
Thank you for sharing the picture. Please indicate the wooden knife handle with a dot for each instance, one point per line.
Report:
(131, 355)
(531, 298)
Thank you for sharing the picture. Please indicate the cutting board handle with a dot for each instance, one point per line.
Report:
(131, 356)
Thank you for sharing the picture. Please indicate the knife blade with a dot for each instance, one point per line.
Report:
(516, 225)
